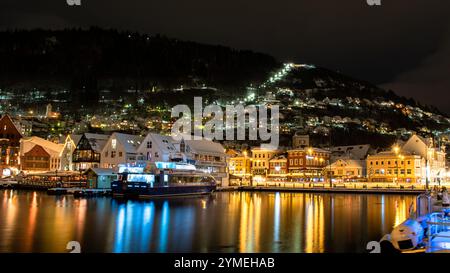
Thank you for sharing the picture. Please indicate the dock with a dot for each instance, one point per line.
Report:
(79, 192)
(322, 188)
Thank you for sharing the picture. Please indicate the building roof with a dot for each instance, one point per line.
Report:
(391, 154)
(358, 152)
(348, 163)
(279, 157)
(49, 147)
(205, 146)
(317, 150)
(101, 171)
(165, 143)
(129, 142)
(96, 141)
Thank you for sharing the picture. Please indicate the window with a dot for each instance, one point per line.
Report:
(409, 171)
(156, 154)
(149, 144)
(120, 154)
(113, 154)
(113, 143)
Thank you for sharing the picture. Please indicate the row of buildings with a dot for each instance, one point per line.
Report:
(79, 153)
(417, 160)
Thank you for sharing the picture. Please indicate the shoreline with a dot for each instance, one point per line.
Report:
(324, 190)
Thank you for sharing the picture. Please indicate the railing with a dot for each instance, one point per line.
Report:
(326, 185)
(51, 184)
(438, 228)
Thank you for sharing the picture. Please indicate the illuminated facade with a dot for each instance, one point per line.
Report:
(88, 151)
(278, 168)
(307, 163)
(120, 149)
(260, 162)
(346, 170)
(390, 166)
(10, 137)
(38, 154)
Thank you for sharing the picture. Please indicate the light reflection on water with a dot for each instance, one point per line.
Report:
(224, 222)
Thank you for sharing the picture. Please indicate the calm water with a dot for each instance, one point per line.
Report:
(223, 222)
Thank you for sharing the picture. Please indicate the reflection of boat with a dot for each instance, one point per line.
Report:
(171, 180)
(427, 229)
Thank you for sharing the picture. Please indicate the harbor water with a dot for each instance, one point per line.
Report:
(222, 222)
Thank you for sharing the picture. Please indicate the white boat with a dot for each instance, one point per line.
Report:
(426, 230)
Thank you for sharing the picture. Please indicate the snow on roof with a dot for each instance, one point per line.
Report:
(129, 142)
(165, 143)
(49, 147)
(349, 163)
(102, 171)
(205, 146)
(97, 141)
(358, 152)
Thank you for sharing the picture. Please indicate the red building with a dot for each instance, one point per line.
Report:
(307, 164)
(9, 145)
(36, 159)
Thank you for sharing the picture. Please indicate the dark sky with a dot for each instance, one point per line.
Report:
(402, 44)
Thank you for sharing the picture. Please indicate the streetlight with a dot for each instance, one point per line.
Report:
(401, 157)
(396, 151)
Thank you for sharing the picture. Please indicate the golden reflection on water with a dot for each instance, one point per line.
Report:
(228, 222)
(315, 232)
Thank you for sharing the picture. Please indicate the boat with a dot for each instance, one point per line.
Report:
(426, 230)
(167, 181)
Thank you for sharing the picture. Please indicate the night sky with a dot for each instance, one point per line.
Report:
(403, 44)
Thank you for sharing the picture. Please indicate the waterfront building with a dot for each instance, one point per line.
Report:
(260, 163)
(393, 166)
(157, 147)
(346, 170)
(240, 165)
(40, 155)
(307, 164)
(433, 155)
(10, 136)
(87, 154)
(100, 178)
(278, 168)
(207, 156)
(120, 149)
(70, 143)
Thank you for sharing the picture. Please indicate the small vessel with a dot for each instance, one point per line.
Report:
(426, 230)
(169, 180)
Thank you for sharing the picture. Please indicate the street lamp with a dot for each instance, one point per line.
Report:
(401, 157)
(396, 151)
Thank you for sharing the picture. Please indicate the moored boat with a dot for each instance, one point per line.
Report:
(171, 180)
(426, 230)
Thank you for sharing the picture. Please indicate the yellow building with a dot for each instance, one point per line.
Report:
(240, 165)
(260, 162)
(396, 166)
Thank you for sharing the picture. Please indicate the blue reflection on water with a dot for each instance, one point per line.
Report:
(118, 240)
(164, 227)
(147, 226)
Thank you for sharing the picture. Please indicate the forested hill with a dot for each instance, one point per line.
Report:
(98, 58)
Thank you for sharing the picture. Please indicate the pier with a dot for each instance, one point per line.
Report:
(369, 188)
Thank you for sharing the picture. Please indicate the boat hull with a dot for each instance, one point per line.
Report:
(159, 192)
